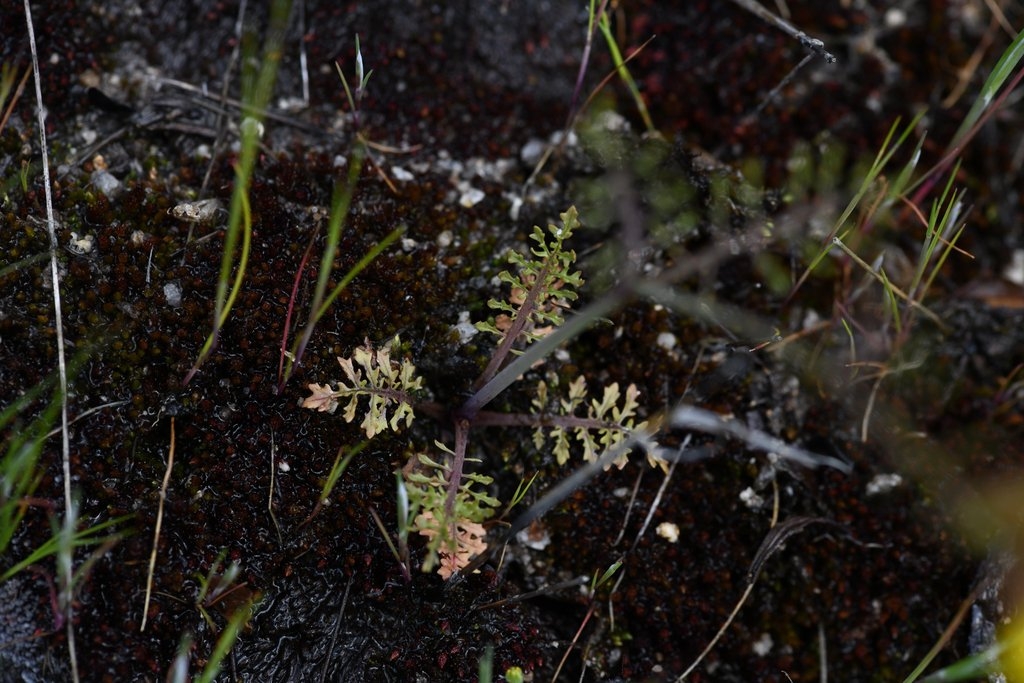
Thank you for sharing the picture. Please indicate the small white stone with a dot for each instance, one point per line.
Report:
(895, 17)
(465, 329)
(751, 498)
(514, 207)
(667, 341)
(81, 245)
(292, 104)
(172, 292)
(533, 538)
(197, 212)
(669, 531)
(401, 175)
(283, 466)
(471, 197)
(612, 121)
(105, 182)
(445, 239)
(763, 645)
(532, 151)
(883, 483)
(1014, 271)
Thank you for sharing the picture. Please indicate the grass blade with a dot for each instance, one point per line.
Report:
(882, 159)
(1001, 73)
(620, 67)
(257, 88)
(224, 300)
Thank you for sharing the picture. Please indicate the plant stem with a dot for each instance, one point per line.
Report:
(542, 347)
(455, 476)
(518, 325)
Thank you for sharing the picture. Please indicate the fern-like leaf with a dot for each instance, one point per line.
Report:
(607, 421)
(427, 490)
(373, 374)
(541, 288)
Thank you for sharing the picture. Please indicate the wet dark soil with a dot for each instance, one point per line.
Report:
(461, 88)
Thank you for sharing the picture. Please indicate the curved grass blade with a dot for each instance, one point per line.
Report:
(224, 300)
(257, 89)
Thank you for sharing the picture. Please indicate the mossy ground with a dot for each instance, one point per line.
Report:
(465, 85)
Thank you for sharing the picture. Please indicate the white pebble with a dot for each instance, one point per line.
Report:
(669, 531)
(471, 197)
(172, 292)
(667, 341)
(81, 245)
(883, 483)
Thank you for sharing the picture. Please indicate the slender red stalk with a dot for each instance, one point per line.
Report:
(281, 379)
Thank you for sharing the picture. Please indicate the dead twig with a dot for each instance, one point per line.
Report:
(811, 44)
(156, 531)
(51, 229)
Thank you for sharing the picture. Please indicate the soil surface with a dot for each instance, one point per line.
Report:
(719, 215)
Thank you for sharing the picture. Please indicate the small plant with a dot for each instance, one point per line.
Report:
(447, 504)
(19, 471)
(595, 583)
(362, 79)
(216, 586)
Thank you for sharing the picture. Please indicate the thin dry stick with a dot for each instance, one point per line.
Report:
(643, 528)
(721, 632)
(576, 638)
(866, 421)
(661, 492)
(87, 413)
(822, 654)
(51, 229)
(303, 61)
(156, 532)
(739, 603)
(997, 12)
(812, 44)
(337, 628)
(951, 628)
(629, 507)
(270, 492)
(551, 149)
(773, 93)
(970, 68)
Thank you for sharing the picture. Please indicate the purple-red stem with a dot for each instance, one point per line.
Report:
(281, 378)
(455, 477)
(522, 318)
(584, 63)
